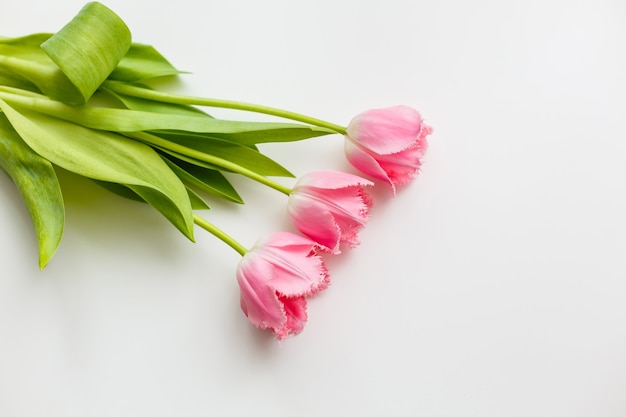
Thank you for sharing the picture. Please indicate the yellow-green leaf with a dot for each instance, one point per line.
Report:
(106, 156)
(38, 184)
(89, 47)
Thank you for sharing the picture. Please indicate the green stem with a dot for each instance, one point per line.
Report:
(146, 93)
(211, 159)
(215, 231)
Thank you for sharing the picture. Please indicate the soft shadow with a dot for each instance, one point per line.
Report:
(110, 221)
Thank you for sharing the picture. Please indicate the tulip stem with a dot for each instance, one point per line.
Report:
(220, 162)
(149, 94)
(219, 233)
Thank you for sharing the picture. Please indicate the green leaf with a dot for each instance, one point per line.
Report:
(125, 120)
(9, 79)
(106, 156)
(120, 190)
(38, 184)
(132, 122)
(208, 180)
(134, 103)
(142, 62)
(270, 134)
(197, 203)
(246, 133)
(89, 47)
(25, 60)
(26, 47)
(213, 151)
(22, 49)
(188, 159)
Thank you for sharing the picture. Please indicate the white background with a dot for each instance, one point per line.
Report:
(494, 285)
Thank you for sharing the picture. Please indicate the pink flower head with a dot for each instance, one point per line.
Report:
(275, 277)
(387, 144)
(330, 207)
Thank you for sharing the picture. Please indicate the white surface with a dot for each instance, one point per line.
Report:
(494, 285)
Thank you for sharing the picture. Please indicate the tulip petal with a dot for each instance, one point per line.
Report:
(312, 218)
(401, 167)
(388, 130)
(259, 301)
(330, 207)
(329, 180)
(284, 240)
(366, 162)
(350, 212)
(296, 316)
(275, 278)
(302, 274)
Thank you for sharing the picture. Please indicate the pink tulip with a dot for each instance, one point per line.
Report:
(330, 207)
(276, 277)
(387, 144)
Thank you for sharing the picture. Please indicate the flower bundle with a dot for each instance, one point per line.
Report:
(78, 99)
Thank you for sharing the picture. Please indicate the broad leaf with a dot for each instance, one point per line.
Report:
(134, 103)
(32, 65)
(9, 79)
(142, 62)
(246, 133)
(26, 47)
(120, 190)
(197, 203)
(208, 180)
(272, 134)
(228, 156)
(106, 156)
(125, 120)
(38, 184)
(188, 159)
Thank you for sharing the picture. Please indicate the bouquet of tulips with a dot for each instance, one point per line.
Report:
(78, 99)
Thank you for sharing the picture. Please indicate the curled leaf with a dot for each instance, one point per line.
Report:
(89, 47)
(24, 57)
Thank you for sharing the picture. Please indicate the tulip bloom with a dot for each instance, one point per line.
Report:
(330, 207)
(387, 144)
(276, 277)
